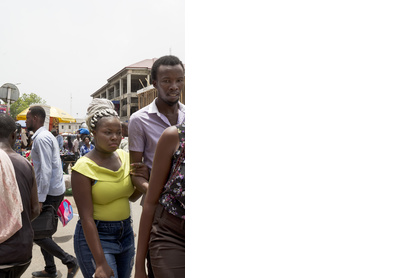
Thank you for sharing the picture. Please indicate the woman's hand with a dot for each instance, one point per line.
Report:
(139, 169)
(103, 271)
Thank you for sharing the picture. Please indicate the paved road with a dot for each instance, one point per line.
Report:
(64, 237)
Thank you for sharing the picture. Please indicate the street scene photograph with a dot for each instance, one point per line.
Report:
(293, 128)
(92, 105)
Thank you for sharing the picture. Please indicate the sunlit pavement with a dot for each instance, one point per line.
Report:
(64, 238)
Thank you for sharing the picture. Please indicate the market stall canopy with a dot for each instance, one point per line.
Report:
(62, 116)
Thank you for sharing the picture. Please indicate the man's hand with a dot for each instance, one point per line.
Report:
(40, 207)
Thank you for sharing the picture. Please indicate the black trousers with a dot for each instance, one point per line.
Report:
(49, 248)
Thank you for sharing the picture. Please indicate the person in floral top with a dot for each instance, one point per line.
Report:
(162, 225)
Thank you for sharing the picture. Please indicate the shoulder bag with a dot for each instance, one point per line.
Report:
(45, 225)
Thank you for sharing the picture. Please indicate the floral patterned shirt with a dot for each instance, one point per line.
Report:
(173, 195)
(84, 149)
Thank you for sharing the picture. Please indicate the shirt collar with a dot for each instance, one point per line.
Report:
(154, 109)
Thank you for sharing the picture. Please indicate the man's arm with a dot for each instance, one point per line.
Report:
(43, 167)
(135, 196)
(140, 182)
(35, 208)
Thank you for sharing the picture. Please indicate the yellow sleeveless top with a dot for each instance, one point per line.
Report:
(112, 189)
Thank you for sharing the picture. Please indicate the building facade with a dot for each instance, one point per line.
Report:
(122, 87)
(70, 127)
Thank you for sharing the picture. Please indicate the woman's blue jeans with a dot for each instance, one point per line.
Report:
(117, 241)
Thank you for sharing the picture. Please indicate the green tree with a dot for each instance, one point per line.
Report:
(24, 102)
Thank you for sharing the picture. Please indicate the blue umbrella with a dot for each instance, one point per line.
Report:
(84, 131)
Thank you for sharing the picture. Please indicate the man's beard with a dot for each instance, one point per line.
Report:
(172, 103)
(167, 102)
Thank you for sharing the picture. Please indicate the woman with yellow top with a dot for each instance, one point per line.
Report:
(102, 188)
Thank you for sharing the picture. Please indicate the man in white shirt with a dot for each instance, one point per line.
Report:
(47, 164)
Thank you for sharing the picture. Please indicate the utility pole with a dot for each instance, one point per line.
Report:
(70, 104)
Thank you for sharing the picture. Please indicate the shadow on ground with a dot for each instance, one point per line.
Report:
(62, 239)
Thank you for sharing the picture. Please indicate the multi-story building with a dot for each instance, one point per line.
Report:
(122, 87)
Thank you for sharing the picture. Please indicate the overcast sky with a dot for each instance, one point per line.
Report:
(59, 49)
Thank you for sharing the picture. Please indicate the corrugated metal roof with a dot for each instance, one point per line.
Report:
(148, 63)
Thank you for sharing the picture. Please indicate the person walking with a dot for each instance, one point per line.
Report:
(47, 164)
(164, 209)
(104, 240)
(17, 176)
(147, 124)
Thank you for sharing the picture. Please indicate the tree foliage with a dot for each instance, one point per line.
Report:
(24, 102)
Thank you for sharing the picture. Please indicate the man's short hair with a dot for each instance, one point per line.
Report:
(168, 60)
(7, 125)
(38, 111)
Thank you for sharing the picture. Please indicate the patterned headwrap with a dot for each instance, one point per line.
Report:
(99, 108)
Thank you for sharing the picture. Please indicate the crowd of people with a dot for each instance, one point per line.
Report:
(119, 163)
(71, 146)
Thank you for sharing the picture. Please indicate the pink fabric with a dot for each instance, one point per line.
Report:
(65, 212)
(10, 199)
